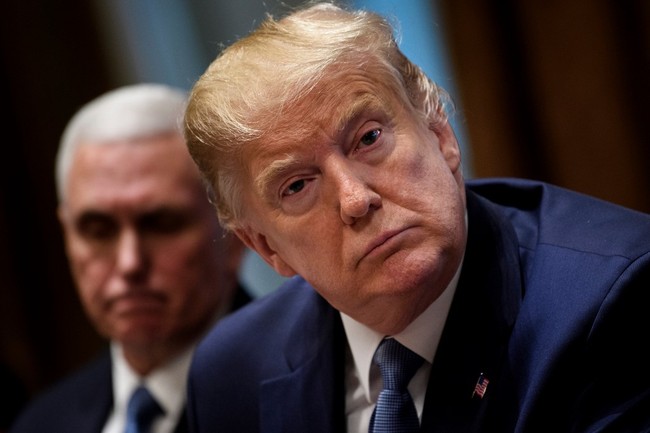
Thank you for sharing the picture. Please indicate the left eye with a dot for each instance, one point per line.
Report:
(370, 137)
(295, 187)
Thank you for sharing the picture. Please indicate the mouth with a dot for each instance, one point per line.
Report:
(383, 244)
(137, 303)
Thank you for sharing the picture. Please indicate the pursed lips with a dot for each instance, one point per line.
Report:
(136, 300)
(379, 241)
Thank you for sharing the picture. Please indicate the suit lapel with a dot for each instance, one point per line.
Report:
(478, 327)
(95, 398)
(310, 396)
(183, 425)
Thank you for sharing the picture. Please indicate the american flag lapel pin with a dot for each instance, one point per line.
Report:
(481, 386)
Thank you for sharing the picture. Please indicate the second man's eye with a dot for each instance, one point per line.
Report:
(370, 137)
(96, 227)
(164, 221)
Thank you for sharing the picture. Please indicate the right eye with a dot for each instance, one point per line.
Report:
(369, 138)
(294, 188)
(96, 227)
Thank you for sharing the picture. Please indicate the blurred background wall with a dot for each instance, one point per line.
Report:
(553, 90)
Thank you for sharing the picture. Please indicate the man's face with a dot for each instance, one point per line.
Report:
(370, 210)
(145, 249)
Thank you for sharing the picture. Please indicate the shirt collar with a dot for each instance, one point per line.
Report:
(167, 384)
(421, 336)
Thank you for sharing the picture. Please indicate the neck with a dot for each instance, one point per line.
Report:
(145, 360)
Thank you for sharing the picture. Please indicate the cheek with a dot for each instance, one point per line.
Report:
(426, 175)
(310, 243)
(86, 260)
(91, 276)
(427, 187)
(178, 266)
(425, 162)
(183, 268)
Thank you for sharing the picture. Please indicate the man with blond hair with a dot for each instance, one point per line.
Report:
(420, 301)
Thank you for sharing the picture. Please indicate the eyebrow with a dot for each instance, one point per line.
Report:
(275, 169)
(89, 215)
(162, 209)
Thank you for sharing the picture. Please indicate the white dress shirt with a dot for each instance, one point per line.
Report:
(167, 385)
(363, 381)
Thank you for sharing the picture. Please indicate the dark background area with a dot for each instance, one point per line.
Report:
(554, 90)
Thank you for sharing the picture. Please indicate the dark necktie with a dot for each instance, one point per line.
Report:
(141, 411)
(395, 411)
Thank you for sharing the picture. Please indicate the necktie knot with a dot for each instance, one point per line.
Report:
(397, 364)
(141, 411)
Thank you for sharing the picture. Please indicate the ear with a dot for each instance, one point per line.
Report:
(448, 146)
(257, 242)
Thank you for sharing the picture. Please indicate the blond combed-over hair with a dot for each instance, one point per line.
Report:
(244, 93)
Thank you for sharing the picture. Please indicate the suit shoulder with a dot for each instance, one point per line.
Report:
(292, 313)
(262, 318)
(546, 214)
(52, 409)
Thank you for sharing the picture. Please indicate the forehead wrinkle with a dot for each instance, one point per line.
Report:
(362, 101)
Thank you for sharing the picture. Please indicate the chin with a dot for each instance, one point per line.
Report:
(141, 334)
(416, 271)
(391, 316)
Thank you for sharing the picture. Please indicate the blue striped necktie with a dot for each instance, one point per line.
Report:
(395, 411)
(141, 411)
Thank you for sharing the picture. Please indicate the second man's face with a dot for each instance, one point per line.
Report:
(369, 209)
(144, 245)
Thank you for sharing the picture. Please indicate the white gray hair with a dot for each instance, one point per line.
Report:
(125, 113)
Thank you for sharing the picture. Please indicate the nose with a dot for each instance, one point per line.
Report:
(129, 255)
(356, 198)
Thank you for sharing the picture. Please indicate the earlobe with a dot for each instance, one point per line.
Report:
(258, 243)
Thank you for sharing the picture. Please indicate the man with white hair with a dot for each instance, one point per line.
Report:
(153, 268)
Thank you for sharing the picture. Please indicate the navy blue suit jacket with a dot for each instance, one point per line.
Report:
(82, 402)
(550, 307)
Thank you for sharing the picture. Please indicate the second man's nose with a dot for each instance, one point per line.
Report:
(129, 254)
